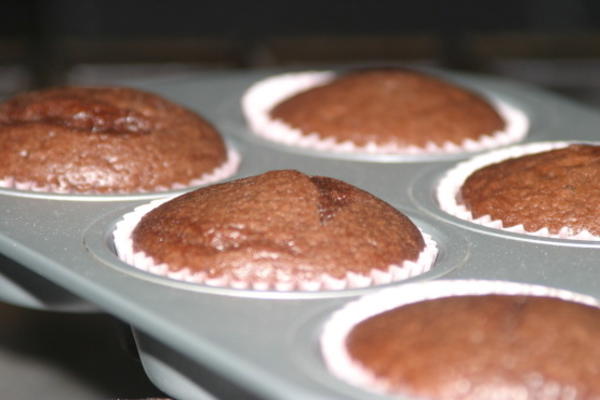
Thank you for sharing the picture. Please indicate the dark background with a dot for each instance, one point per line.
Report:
(552, 43)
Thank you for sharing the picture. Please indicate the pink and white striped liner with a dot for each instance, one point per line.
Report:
(338, 327)
(124, 246)
(449, 187)
(261, 97)
(221, 172)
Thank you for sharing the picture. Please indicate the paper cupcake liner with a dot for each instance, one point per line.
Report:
(338, 327)
(449, 187)
(221, 172)
(124, 246)
(261, 97)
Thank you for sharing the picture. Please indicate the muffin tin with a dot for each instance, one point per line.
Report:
(196, 340)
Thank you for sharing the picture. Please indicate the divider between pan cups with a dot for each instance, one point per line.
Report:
(261, 97)
(448, 190)
(336, 355)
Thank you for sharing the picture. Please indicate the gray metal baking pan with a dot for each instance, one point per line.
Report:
(198, 342)
(22, 287)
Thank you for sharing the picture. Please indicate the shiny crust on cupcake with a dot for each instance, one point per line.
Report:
(103, 140)
(281, 226)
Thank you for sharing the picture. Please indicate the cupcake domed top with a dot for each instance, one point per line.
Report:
(277, 227)
(483, 347)
(552, 189)
(390, 106)
(103, 140)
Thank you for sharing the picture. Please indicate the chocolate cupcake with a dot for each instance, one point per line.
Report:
(106, 140)
(281, 230)
(468, 340)
(546, 189)
(394, 111)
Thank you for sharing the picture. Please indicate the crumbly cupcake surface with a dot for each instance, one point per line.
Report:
(278, 227)
(104, 140)
(552, 189)
(479, 347)
(390, 106)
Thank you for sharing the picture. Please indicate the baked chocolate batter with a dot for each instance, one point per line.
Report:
(390, 106)
(279, 226)
(104, 140)
(484, 347)
(551, 189)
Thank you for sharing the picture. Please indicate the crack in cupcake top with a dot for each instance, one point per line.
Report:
(83, 109)
(279, 225)
(333, 196)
